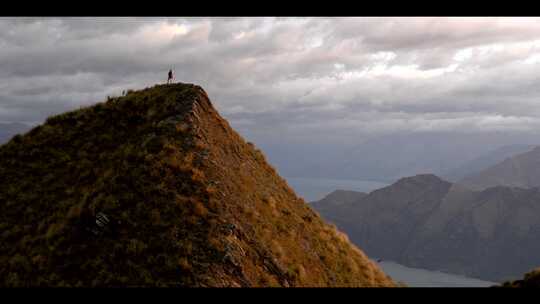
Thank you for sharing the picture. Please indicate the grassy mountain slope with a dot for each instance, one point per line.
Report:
(190, 203)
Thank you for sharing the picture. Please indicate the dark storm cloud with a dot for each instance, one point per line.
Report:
(290, 76)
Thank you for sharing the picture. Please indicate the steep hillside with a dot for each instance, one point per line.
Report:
(492, 234)
(522, 170)
(155, 189)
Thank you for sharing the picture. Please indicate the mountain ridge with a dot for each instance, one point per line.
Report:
(156, 189)
(426, 222)
(520, 170)
(485, 161)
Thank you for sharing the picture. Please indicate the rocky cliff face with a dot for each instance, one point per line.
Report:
(156, 189)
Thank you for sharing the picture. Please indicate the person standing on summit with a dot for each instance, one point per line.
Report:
(170, 77)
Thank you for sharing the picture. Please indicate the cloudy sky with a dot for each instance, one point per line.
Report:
(287, 78)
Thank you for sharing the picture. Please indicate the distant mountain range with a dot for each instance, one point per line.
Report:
(426, 222)
(522, 170)
(484, 161)
(338, 198)
(391, 157)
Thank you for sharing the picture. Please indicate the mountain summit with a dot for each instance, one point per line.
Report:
(156, 189)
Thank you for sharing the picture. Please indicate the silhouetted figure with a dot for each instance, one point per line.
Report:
(170, 77)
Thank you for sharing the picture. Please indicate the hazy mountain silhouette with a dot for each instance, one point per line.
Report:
(522, 170)
(390, 157)
(426, 222)
(484, 161)
(337, 198)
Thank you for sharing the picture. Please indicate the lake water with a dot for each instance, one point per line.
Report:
(416, 277)
(313, 189)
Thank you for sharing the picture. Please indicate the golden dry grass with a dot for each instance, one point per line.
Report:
(193, 203)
